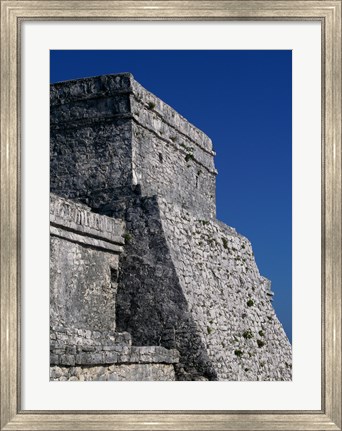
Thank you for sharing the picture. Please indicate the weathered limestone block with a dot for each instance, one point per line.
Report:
(84, 249)
(67, 215)
(89, 351)
(116, 372)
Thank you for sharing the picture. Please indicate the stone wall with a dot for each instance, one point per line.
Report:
(84, 267)
(90, 138)
(193, 284)
(151, 305)
(90, 158)
(84, 249)
(230, 302)
(171, 157)
(109, 133)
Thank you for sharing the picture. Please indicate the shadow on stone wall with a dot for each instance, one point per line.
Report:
(150, 304)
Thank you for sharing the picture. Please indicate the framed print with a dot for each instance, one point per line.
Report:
(233, 332)
(146, 285)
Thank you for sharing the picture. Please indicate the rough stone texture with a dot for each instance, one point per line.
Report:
(84, 249)
(227, 297)
(108, 133)
(85, 347)
(186, 281)
(150, 301)
(83, 266)
(116, 372)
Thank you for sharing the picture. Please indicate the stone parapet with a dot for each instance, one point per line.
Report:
(102, 86)
(70, 216)
(84, 256)
(115, 90)
(109, 134)
(165, 113)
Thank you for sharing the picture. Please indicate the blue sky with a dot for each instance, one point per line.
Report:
(243, 101)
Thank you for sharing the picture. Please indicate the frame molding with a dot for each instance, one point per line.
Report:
(13, 13)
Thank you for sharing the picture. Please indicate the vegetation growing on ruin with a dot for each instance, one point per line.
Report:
(225, 243)
(127, 237)
(247, 334)
(189, 156)
(260, 343)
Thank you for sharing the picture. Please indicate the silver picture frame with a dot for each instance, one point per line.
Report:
(13, 14)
